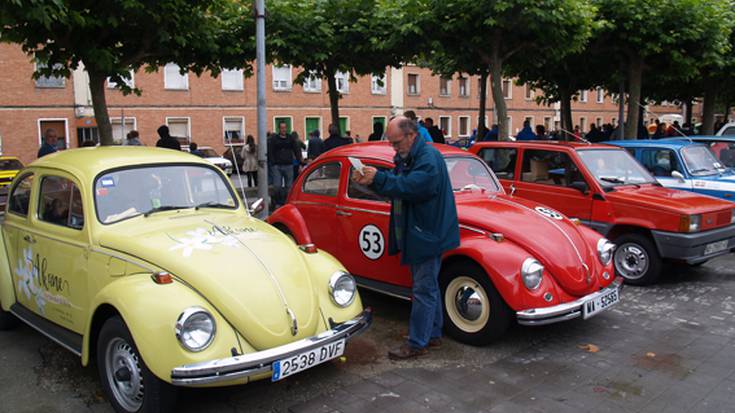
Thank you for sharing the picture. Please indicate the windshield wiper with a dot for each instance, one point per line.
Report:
(164, 208)
(612, 180)
(212, 204)
(696, 171)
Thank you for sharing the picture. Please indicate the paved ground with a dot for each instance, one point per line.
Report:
(667, 348)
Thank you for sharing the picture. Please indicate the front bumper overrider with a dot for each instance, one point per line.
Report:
(253, 364)
(565, 311)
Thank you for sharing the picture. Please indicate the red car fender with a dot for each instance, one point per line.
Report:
(502, 263)
(289, 218)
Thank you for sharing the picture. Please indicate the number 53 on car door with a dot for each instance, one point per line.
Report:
(372, 243)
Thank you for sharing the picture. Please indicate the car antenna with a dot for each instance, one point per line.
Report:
(679, 131)
(575, 136)
(237, 171)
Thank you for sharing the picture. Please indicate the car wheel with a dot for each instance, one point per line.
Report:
(474, 311)
(637, 260)
(7, 321)
(128, 384)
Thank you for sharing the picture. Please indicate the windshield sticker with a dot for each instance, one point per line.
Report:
(107, 182)
(102, 191)
(549, 213)
(39, 285)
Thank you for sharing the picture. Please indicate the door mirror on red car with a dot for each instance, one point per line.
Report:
(581, 186)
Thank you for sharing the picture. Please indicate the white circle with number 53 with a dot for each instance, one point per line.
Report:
(371, 241)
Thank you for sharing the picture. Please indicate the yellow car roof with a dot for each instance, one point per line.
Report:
(88, 162)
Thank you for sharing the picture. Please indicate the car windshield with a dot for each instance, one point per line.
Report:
(614, 167)
(700, 161)
(724, 151)
(144, 190)
(10, 165)
(209, 153)
(466, 172)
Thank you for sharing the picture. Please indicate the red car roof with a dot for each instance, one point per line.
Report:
(550, 144)
(382, 150)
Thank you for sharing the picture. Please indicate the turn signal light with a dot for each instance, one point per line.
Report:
(162, 278)
(309, 248)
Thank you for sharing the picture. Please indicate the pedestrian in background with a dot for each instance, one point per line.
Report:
(526, 134)
(133, 139)
(249, 154)
(315, 146)
(423, 225)
(302, 147)
(284, 151)
(541, 133)
(377, 134)
(436, 134)
(194, 150)
(166, 140)
(50, 140)
(335, 139)
(423, 132)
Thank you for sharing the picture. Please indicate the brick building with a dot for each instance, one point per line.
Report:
(217, 111)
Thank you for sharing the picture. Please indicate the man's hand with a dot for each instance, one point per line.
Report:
(367, 176)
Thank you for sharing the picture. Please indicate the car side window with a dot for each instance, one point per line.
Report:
(60, 202)
(549, 168)
(501, 160)
(323, 180)
(660, 162)
(363, 192)
(729, 131)
(20, 198)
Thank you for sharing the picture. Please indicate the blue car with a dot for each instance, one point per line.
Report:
(722, 147)
(683, 164)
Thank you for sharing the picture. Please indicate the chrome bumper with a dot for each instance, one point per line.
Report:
(563, 312)
(252, 364)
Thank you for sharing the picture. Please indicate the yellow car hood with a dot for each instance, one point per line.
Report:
(249, 271)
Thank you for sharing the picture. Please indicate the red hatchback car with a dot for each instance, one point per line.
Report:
(517, 260)
(607, 189)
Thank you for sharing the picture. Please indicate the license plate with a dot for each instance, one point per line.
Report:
(594, 306)
(715, 247)
(302, 361)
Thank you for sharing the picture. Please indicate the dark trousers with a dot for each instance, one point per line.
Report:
(252, 178)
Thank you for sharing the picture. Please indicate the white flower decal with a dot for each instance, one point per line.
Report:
(201, 239)
(26, 273)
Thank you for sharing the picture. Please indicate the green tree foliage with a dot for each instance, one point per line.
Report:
(666, 39)
(483, 36)
(112, 37)
(324, 37)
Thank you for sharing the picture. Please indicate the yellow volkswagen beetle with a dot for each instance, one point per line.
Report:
(146, 261)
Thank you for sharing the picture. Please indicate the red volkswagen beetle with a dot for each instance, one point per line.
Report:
(517, 259)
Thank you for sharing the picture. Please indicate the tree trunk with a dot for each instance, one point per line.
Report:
(481, 126)
(708, 109)
(333, 95)
(635, 80)
(496, 78)
(99, 104)
(688, 113)
(565, 103)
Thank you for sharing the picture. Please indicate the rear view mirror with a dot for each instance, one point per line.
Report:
(581, 186)
(677, 175)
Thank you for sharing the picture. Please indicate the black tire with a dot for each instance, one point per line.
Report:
(637, 260)
(465, 324)
(153, 396)
(7, 321)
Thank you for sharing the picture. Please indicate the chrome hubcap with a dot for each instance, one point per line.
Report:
(631, 261)
(467, 304)
(124, 374)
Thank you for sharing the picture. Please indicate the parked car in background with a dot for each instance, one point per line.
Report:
(9, 168)
(683, 164)
(727, 129)
(722, 147)
(518, 260)
(607, 189)
(146, 263)
(211, 156)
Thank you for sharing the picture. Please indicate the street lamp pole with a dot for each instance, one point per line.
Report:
(262, 115)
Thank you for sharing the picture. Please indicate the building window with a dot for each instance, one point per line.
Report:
(445, 87)
(413, 84)
(281, 77)
(547, 123)
(232, 79)
(128, 82)
(509, 125)
(583, 96)
(528, 93)
(180, 128)
(445, 124)
(598, 122)
(343, 82)
(600, 95)
(464, 86)
(49, 81)
(614, 120)
(312, 83)
(479, 87)
(464, 126)
(234, 130)
(377, 84)
(507, 89)
(60, 126)
(120, 130)
(582, 124)
(173, 79)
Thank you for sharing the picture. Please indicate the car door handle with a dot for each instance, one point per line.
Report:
(29, 239)
(343, 213)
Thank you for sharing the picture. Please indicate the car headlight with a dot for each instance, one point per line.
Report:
(532, 272)
(195, 329)
(342, 288)
(605, 250)
(690, 223)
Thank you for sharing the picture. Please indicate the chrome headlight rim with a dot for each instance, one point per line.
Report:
(532, 273)
(334, 282)
(695, 222)
(181, 324)
(605, 251)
